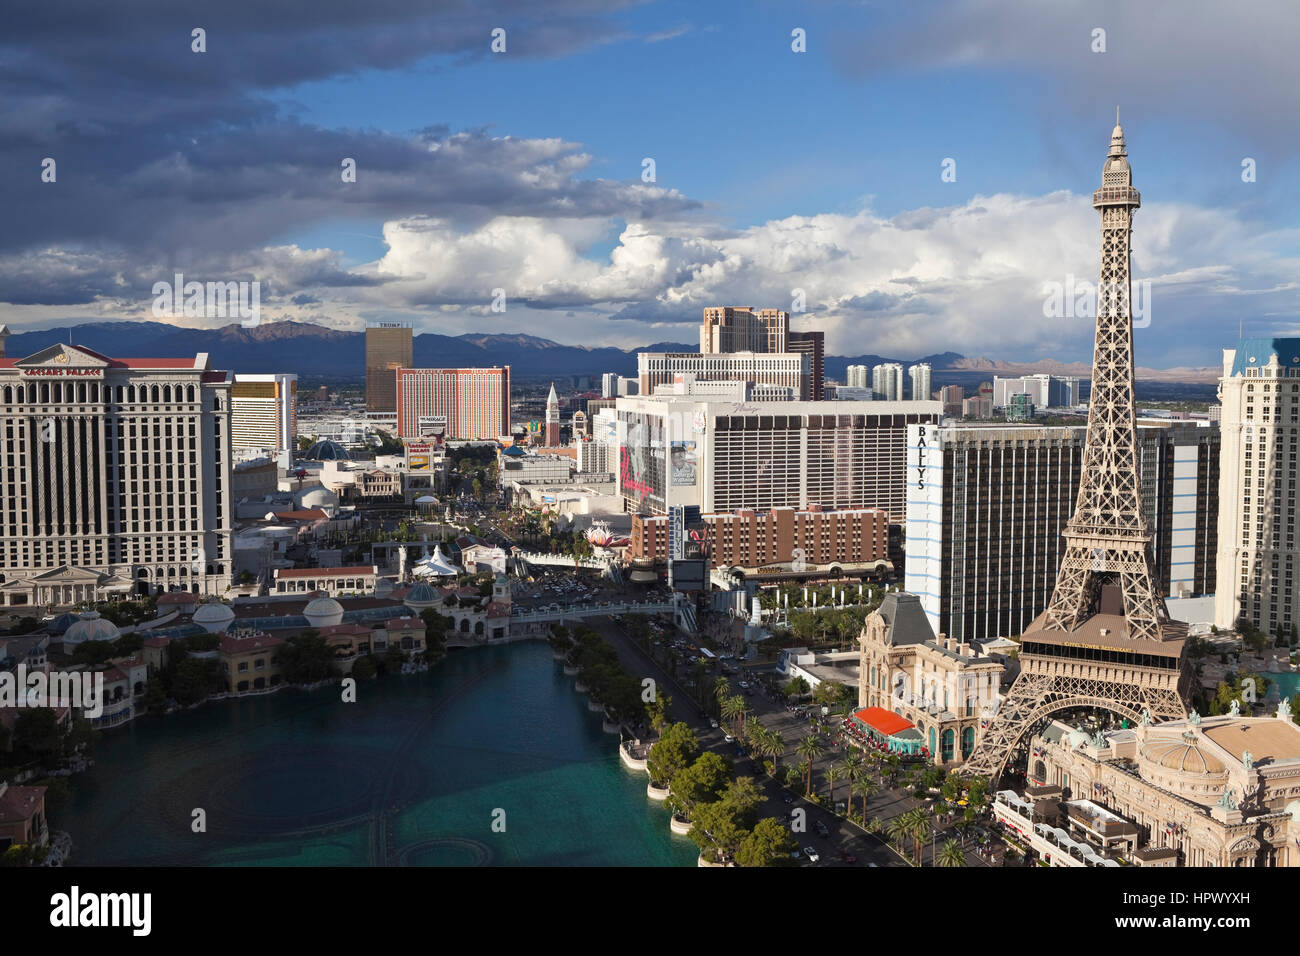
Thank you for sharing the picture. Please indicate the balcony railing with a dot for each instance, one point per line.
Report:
(1116, 195)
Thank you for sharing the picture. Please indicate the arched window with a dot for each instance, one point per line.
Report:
(167, 394)
(967, 742)
(947, 739)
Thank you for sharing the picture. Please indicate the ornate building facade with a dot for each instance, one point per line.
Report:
(943, 687)
(116, 478)
(1213, 791)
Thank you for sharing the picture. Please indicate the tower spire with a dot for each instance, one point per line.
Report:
(1106, 639)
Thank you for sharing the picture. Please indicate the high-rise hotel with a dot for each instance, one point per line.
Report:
(463, 403)
(116, 479)
(986, 507)
(264, 412)
(389, 346)
(1260, 391)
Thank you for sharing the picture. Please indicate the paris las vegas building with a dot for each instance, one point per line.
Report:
(116, 478)
(986, 507)
(1260, 392)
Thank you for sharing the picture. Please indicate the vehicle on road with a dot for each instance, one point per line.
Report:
(822, 829)
(712, 723)
(727, 738)
(789, 799)
(847, 857)
(812, 854)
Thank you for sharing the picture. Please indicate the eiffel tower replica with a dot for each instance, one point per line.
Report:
(1106, 640)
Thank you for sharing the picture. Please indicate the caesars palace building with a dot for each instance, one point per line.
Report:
(116, 478)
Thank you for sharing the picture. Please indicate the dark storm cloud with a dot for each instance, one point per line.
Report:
(171, 159)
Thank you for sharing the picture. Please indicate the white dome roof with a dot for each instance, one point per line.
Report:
(213, 617)
(323, 612)
(318, 497)
(91, 627)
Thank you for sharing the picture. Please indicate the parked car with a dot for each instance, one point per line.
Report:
(712, 723)
(847, 857)
(812, 854)
(727, 738)
(822, 828)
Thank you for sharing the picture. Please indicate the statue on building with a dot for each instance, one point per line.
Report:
(1284, 709)
(1194, 718)
(1226, 802)
(1235, 709)
(1146, 717)
(1248, 760)
(1098, 740)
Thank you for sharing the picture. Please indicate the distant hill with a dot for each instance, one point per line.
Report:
(312, 350)
(315, 351)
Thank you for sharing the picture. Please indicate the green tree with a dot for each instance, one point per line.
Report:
(675, 750)
(306, 659)
(774, 747)
(919, 830)
(701, 782)
(733, 711)
(899, 829)
(717, 830)
(950, 854)
(865, 789)
(832, 774)
(768, 844)
(155, 697)
(37, 732)
(364, 667)
(796, 687)
(810, 748)
(721, 691)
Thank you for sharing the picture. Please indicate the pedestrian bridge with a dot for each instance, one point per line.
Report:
(520, 615)
(606, 565)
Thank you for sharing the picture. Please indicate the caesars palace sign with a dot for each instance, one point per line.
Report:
(45, 372)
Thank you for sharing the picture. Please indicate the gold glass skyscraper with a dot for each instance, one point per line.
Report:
(389, 346)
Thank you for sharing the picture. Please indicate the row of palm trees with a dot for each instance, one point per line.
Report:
(916, 825)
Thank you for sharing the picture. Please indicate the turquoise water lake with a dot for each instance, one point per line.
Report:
(416, 772)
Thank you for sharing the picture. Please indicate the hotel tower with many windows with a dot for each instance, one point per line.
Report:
(116, 478)
(1260, 391)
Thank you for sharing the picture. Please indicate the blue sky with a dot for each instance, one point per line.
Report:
(775, 170)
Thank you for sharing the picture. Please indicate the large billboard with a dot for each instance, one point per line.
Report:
(418, 456)
(682, 463)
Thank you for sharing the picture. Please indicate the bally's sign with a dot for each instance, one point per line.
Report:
(924, 439)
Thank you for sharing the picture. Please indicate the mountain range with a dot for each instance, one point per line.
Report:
(317, 352)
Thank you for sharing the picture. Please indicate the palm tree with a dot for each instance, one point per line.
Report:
(810, 748)
(951, 855)
(833, 773)
(876, 825)
(853, 766)
(754, 731)
(721, 690)
(899, 829)
(863, 788)
(733, 710)
(775, 744)
(918, 825)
